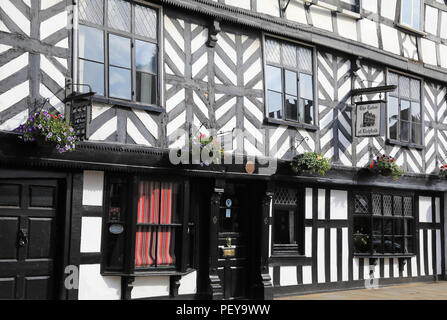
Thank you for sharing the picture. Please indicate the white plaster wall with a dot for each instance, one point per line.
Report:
(307, 274)
(390, 39)
(270, 7)
(308, 203)
(321, 263)
(93, 188)
(347, 27)
(321, 204)
(321, 18)
(188, 284)
(146, 287)
(431, 20)
(308, 241)
(425, 209)
(429, 51)
(444, 25)
(443, 54)
(295, 12)
(339, 205)
(244, 4)
(370, 5)
(91, 234)
(369, 32)
(388, 9)
(288, 276)
(93, 286)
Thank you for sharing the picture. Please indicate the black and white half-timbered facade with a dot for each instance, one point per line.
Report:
(120, 218)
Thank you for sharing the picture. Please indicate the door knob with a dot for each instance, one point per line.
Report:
(23, 237)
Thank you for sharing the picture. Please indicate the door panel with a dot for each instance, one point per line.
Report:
(29, 243)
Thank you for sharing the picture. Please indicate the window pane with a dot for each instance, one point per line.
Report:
(120, 83)
(305, 59)
(408, 206)
(306, 111)
(377, 226)
(146, 88)
(291, 108)
(362, 225)
(406, 11)
(388, 245)
(409, 245)
(91, 73)
(399, 244)
(397, 206)
(274, 78)
(119, 15)
(306, 86)
(415, 89)
(416, 133)
(404, 131)
(399, 227)
(377, 204)
(284, 227)
(92, 11)
(361, 203)
(145, 245)
(416, 14)
(289, 55)
(146, 22)
(119, 51)
(291, 83)
(377, 244)
(146, 57)
(275, 105)
(362, 243)
(415, 112)
(388, 226)
(408, 227)
(272, 51)
(387, 205)
(393, 79)
(404, 87)
(393, 109)
(91, 44)
(405, 110)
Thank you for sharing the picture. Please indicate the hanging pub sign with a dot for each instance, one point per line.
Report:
(369, 118)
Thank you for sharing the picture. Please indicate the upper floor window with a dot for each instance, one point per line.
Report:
(118, 50)
(411, 13)
(404, 110)
(383, 224)
(289, 81)
(352, 5)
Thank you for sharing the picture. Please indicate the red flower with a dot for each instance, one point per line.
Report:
(371, 166)
(53, 116)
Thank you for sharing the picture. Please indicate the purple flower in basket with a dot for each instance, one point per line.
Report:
(59, 139)
(69, 138)
(71, 129)
(39, 126)
(67, 147)
(58, 147)
(50, 135)
(33, 139)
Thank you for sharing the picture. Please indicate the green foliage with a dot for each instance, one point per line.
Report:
(386, 166)
(48, 128)
(310, 162)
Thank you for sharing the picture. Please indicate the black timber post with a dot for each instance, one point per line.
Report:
(265, 290)
(215, 286)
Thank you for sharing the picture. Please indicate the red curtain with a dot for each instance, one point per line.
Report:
(153, 243)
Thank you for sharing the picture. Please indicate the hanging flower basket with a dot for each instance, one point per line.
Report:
(386, 166)
(310, 162)
(443, 172)
(200, 145)
(48, 129)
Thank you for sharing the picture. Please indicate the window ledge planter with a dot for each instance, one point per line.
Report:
(310, 163)
(386, 166)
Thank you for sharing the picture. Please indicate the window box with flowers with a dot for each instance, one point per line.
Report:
(386, 166)
(443, 172)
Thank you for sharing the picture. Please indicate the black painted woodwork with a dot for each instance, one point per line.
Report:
(30, 230)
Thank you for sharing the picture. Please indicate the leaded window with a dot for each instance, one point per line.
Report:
(119, 51)
(404, 110)
(289, 81)
(383, 224)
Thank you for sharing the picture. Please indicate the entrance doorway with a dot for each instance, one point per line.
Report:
(30, 244)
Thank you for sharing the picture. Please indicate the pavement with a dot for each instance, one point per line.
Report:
(409, 291)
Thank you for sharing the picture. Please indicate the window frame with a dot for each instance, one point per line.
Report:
(284, 120)
(420, 30)
(182, 253)
(399, 142)
(290, 250)
(370, 215)
(133, 36)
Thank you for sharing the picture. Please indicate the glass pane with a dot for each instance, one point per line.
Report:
(306, 86)
(415, 112)
(285, 196)
(145, 246)
(92, 11)
(388, 226)
(377, 244)
(388, 245)
(146, 57)
(408, 225)
(361, 203)
(361, 243)
(404, 131)
(404, 87)
(377, 204)
(405, 110)
(146, 22)
(306, 111)
(409, 245)
(120, 83)
(416, 14)
(415, 89)
(393, 79)
(387, 205)
(275, 105)
(399, 244)
(406, 12)
(284, 224)
(274, 78)
(291, 108)
(397, 206)
(408, 206)
(362, 225)
(93, 74)
(289, 55)
(91, 44)
(393, 110)
(377, 226)
(305, 59)
(119, 51)
(399, 227)
(291, 83)
(416, 133)
(146, 88)
(272, 51)
(119, 15)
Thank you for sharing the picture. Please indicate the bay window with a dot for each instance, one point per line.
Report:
(119, 50)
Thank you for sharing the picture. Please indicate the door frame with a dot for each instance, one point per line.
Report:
(64, 221)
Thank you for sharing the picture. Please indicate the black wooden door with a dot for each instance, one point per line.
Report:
(28, 239)
(233, 230)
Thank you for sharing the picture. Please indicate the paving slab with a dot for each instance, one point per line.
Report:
(410, 291)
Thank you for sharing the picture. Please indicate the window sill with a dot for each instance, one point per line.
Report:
(385, 255)
(412, 30)
(405, 144)
(290, 258)
(350, 14)
(149, 273)
(291, 124)
(129, 104)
